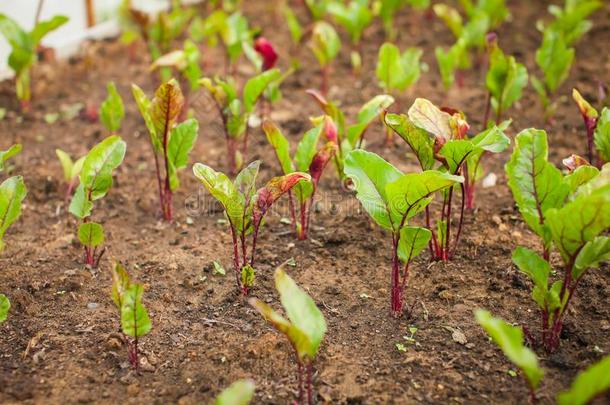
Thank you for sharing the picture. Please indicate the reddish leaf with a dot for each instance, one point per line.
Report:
(267, 52)
(273, 190)
(330, 130)
(320, 161)
(574, 161)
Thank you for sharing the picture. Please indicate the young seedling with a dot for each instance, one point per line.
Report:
(12, 194)
(554, 58)
(135, 322)
(240, 392)
(571, 20)
(510, 340)
(588, 385)
(112, 110)
(245, 208)
(307, 158)
(438, 136)
(325, 45)
(568, 213)
(396, 72)
(598, 130)
(71, 170)
(505, 80)
(235, 111)
(185, 62)
(296, 34)
(24, 51)
(483, 16)
(387, 9)
(233, 31)
(316, 8)
(355, 17)
(171, 141)
(95, 181)
(392, 199)
(305, 328)
(349, 137)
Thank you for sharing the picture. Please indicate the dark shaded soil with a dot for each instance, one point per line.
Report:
(60, 343)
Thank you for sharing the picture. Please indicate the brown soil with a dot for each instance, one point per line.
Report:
(59, 342)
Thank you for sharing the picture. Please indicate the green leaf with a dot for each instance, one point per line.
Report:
(588, 385)
(493, 139)
(510, 340)
(537, 269)
(66, 164)
(354, 17)
(295, 28)
(536, 184)
(255, 86)
(302, 312)
(413, 239)
(602, 135)
(223, 189)
(306, 149)
(12, 194)
(17, 38)
(578, 222)
(592, 253)
(396, 72)
(102, 159)
(370, 174)
(112, 110)
(181, 142)
(580, 176)
(280, 145)
(455, 152)
(9, 153)
(91, 234)
(240, 392)
(418, 139)
(554, 58)
(451, 17)
(44, 27)
(368, 112)
(218, 269)
(505, 80)
(409, 194)
(5, 306)
(81, 205)
(245, 181)
(325, 43)
(134, 317)
(120, 284)
(144, 105)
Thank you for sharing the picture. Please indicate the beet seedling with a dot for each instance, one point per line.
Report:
(325, 45)
(24, 51)
(389, 8)
(510, 340)
(71, 170)
(349, 137)
(240, 392)
(392, 199)
(588, 384)
(95, 181)
(245, 208)
(355, 17)
(574, 223)
(307, 158)
(112, 110)
(505, 80)
(598, 129)
(571, 20)
(135, 322)
(235, 111)
(396, 72)
(305, 328)
(436, 135)
(171, 141)
(12, 194)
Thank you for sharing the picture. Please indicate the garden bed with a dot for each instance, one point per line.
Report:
(61, 342)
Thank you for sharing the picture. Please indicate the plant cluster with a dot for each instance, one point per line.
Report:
(245, 208)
